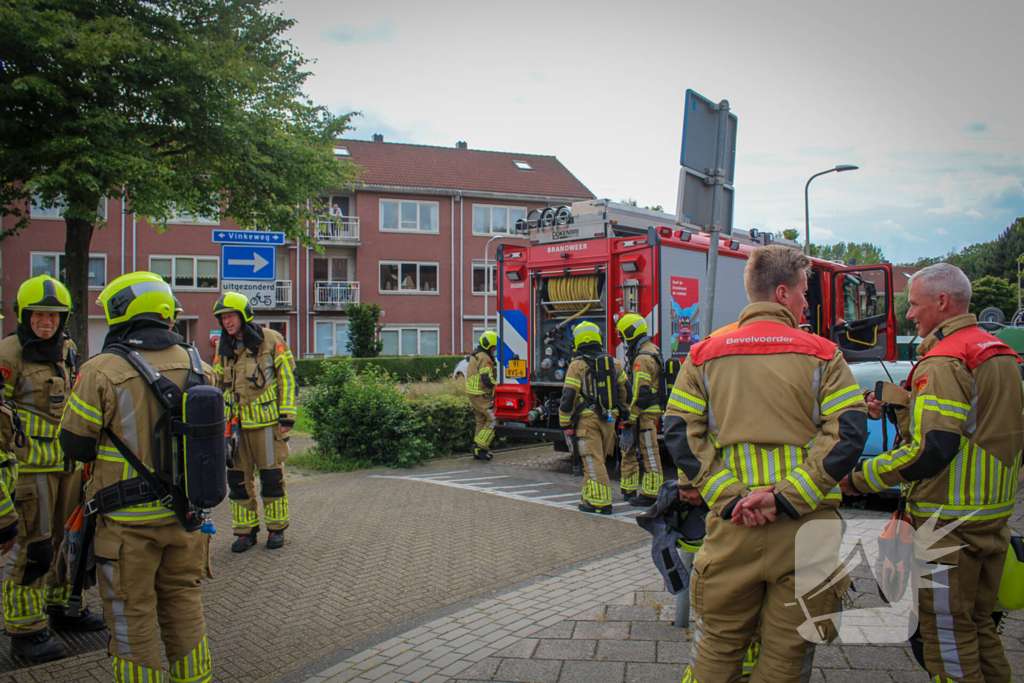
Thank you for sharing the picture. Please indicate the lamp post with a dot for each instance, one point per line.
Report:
(807, 217)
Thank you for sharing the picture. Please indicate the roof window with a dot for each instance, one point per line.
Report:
(341, 152)
(523, 166)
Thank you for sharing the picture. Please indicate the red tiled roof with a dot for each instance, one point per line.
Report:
(444, 168)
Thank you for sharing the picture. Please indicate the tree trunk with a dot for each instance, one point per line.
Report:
(76, 278)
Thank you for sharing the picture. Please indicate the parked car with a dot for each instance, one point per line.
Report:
(867, 375)
(460, 369)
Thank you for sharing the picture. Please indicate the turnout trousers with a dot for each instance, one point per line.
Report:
(595, 441)
(483, 411)
(955, 613)
(150, 577)
(44, 502)
(263, 449)
(644, 457)
(744, 580)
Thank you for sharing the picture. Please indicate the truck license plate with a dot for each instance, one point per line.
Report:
(516, 368)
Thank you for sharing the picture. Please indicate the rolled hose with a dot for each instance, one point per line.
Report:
(571, 288)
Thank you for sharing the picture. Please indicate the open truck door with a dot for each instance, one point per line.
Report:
(863, 320)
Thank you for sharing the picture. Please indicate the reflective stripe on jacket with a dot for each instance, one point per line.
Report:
(260, 388)
(480, 374)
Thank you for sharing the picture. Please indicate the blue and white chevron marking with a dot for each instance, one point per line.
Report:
(514, 327)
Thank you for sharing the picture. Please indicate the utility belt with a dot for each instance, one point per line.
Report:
(125, 493)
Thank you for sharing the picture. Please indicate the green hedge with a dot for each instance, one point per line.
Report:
(401, 368)
(447, 423)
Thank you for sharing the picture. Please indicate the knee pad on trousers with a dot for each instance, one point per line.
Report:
(272, 483)
(39, 557)
(236, 482)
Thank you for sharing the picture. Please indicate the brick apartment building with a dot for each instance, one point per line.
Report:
(410, 237)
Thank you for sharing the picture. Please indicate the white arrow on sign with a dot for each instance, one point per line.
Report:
(257, 262)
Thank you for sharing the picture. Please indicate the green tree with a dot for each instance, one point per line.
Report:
(863, 253)
(364, 330)
(900, 307)
(632, 202)
(994, 291)
(177, 106)
(788, 234)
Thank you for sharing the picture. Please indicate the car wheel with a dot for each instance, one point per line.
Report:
(991, 319)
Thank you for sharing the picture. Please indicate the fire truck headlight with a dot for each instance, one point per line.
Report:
(629, 266)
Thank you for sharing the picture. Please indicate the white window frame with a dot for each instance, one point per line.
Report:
(195, 271)
(489, 265)
(413, 231)
(59, 208)
(59, 255)
(420, 329)
(510, 228)
(264, 321)
(329, 257)
(190, 219)
(417, 291)
(334, 322)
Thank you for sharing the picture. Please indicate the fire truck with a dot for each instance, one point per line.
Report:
(596, 260)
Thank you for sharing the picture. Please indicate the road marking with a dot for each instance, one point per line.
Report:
(440, 474)
(498, 476)
(503, 492)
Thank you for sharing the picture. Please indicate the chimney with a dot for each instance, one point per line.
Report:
(461, 144)
(377, 137)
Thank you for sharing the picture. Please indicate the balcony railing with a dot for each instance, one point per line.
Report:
(283, 294)
(336, 294)
(336, 229)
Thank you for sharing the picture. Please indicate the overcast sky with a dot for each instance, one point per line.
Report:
(925, 97)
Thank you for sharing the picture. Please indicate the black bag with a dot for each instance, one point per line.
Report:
(203, 447)
(604, 384)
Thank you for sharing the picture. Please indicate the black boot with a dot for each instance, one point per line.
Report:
(481, 454)
(585, 506)
(275, 540)
(642, 501)
(85, 621)
(243, 543)
(38, 647)
(626, 495)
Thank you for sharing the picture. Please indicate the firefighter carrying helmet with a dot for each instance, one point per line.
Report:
(631, 326)
(42, 293)
(233, 301)
(488, 340)
(585, 333)
(137, 296)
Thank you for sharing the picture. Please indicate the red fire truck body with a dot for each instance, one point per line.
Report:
(600, 259)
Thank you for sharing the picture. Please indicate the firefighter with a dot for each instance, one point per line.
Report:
(480, 387)
(962, 436)
(591, 438)
(256, 370)
(38, 366)
(764, 421)
(643, 363)
(149, 566)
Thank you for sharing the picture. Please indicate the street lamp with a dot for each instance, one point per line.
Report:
(807, 218)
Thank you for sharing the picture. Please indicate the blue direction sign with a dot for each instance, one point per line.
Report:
(247, 237)
(248, 262)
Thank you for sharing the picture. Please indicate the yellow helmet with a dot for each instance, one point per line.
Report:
(233, 301)
(488, 340)
(42, 293)
(137, 296)
(1011, 587)
(585, 333)
(631, 326)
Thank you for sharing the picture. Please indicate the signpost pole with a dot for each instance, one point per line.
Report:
(716, 220)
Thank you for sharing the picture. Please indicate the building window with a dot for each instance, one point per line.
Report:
(408, 277)
(186, 272)
(52, 264)
(485, 277)
(341, 152)
(523, 165)
(406, 216)
(330, 269)
(279, 326)
(332, 338)
(57, 210)
(496, 219)
(409, 341)
(185, 218)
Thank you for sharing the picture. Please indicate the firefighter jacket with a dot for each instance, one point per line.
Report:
(480, 374)
(645, 383)
(41, 391)
(8, 482)
(259, 388)
(766, 405)
(962, 433)
(110, 395)
(578, 392)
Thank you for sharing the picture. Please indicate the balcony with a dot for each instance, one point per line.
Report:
(283, 294)
(337, 230)
(335, 296)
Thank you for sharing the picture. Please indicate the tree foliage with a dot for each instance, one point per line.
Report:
(364, 330)
(863, 253)
(177, 106)
(788, 234)
(900, 307)
(632, 202)
(994, 291)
